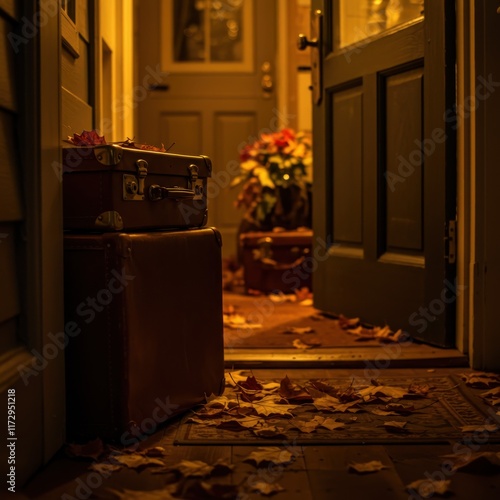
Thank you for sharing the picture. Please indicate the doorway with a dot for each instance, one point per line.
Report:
(380, 263)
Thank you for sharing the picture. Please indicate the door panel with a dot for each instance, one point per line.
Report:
(384, 189)
(202, 101)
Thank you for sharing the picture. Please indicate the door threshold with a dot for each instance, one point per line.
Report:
(387, 356)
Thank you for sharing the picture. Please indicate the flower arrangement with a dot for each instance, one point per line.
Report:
(276, 173)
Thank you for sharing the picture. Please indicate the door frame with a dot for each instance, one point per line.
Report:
(481, 183)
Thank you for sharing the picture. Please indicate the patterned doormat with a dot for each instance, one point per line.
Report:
(439, 417)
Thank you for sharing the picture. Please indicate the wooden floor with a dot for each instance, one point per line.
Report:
(316, 473)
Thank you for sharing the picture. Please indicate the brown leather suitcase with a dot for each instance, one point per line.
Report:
(114, 188)
(277, 261)
(144, 324)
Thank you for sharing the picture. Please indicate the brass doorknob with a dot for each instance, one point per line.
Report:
(303, 42)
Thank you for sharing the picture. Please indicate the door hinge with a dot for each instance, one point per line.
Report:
(451, 240)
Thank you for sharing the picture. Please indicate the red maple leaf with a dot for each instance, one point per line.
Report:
(87, 138)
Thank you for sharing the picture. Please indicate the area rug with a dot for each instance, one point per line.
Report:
(450, 412)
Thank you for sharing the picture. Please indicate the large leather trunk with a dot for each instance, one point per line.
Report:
(277, 261)
(144, 320)
(113, 188)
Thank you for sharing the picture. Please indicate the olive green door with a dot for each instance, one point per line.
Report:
(384, 159)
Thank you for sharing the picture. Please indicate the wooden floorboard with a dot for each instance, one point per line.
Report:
(328, 470)
(315, 473)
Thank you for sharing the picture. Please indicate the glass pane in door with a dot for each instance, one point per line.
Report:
(362, 19)
(208, 30)
(226, 30)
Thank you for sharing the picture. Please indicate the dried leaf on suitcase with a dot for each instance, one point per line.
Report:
(269, 455)
(87, 138)
(129, 143)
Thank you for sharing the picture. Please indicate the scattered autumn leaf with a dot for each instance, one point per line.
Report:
(306, 303)
(267, 488)
(418, 390)
(232, 378)
(346, 323)
(332, 405)
(307, 426)
(238, 424)
(104, 469)
(293, 392)
(394, 426)
(137, 461)
(331, 424)
(270, 405)
(475, 462)
(299, 344)
(303, 293)
(479, 428)
(367, 467)
(376, 391)
(299, 330)
(155, 451)
(269, 431)
(492, 396)
(427, 488)
(251, 384)
(269, 455)
(198, 468)
(481, 380)
(399, 408)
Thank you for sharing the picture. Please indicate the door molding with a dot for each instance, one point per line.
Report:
(483, 157)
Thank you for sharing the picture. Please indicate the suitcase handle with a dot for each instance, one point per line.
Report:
(157, 193)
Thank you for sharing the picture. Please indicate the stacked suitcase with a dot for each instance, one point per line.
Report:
(143, 290)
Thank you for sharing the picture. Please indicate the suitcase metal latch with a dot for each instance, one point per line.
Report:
(133, 186)
(196, 182)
